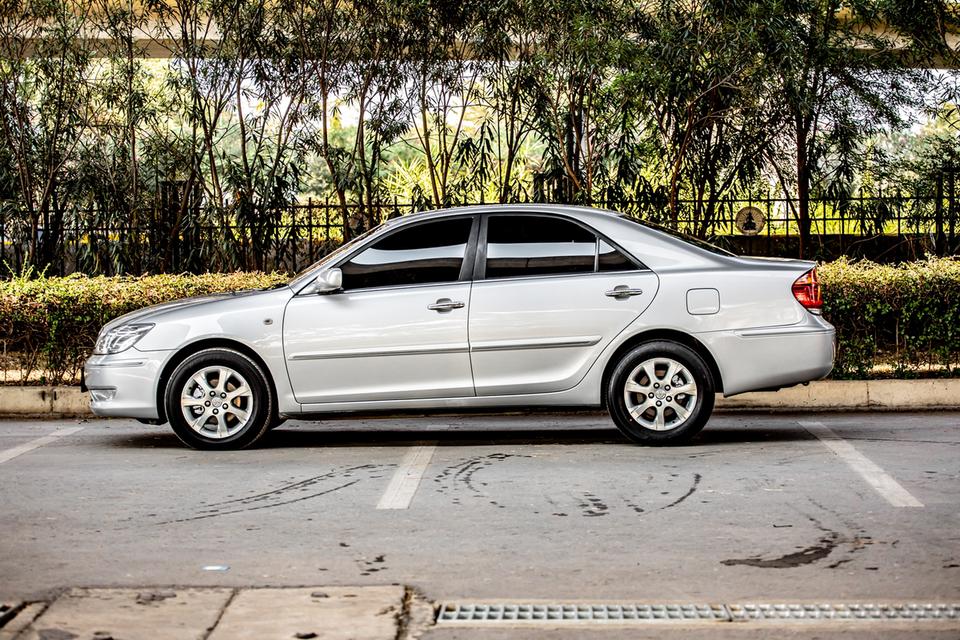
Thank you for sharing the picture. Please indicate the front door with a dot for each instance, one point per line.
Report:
(397, 330)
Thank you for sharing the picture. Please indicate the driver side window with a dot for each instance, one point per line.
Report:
(427, 253)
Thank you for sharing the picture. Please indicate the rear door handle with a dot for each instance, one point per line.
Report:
(622, 292)
(445, 304)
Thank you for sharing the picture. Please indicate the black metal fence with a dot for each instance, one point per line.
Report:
(884, 228)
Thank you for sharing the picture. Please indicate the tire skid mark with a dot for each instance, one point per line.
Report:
(823, 548)
(635, 505)
(696, 482)
(462, 474)
(858, 540)
(368, 567)
(281, 496)
(592, 507)
(299, 484)
(262, 506)
(828, 542)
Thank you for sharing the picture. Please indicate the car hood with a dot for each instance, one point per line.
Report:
(153, 312)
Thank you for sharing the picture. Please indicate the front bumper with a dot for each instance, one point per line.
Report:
(124, 385)
(766, 358)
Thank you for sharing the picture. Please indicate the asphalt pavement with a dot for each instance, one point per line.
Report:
(827, 507)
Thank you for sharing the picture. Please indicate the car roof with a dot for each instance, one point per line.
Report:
(482, 209)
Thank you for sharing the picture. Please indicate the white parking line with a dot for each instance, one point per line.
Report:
(892, 491)
(403, 485)
(13, 452)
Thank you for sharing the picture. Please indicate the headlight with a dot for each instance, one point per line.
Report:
(120, 338)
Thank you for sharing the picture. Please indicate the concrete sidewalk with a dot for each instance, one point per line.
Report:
(328, 613)
(827, 395)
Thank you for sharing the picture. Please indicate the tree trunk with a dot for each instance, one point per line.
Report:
(803, 192)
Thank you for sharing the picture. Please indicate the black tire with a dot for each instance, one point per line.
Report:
(649, 404)
(260, 416)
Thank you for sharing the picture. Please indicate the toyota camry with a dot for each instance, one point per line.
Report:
(477, 307)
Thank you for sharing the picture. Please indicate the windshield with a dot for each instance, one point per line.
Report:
(686, 237)
(297, 279)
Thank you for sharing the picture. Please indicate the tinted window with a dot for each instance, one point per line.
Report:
(609, 259)
(537, 245)
(421, 254)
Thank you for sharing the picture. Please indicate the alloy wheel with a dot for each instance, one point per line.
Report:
(660, 394)
(216, 402)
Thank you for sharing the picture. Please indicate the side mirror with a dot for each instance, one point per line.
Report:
(327, 281)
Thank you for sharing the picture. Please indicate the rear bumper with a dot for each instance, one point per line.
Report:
(125, 385)
(772, 357)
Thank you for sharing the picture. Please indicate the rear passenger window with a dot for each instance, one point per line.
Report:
(528, 245)
(537, 245)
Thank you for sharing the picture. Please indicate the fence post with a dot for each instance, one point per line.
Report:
(769, 219)
(326, 209)
(310, 252)
(938, 216)
(951, 210)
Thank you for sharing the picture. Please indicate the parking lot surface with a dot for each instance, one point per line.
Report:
(823, 507)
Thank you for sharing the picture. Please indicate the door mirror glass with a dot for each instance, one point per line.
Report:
(327, 281)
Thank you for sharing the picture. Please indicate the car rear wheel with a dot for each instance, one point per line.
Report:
(219, 399)
(661, 392)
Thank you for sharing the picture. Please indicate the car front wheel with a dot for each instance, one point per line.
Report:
(219, 399)
(661, 392)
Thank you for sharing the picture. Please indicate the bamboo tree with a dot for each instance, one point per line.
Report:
(842, 74)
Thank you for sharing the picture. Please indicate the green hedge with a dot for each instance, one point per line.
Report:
(48, 325)
(894, 320)
(901, 321)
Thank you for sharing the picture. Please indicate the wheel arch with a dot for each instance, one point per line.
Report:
(660, 334)
(200, 345)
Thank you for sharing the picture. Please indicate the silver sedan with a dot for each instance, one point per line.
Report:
(477, 307)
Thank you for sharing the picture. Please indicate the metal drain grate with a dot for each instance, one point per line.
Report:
(579, 612)
(560, 613)
(853, 611)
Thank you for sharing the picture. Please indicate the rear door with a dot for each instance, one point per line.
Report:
(550, 294)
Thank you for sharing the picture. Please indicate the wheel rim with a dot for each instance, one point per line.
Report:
(216, 402)
(660, 394)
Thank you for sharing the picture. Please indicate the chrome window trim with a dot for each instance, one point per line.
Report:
(393, 287)
(555, 276)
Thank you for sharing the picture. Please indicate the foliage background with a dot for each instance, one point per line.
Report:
(672, 104)
(900, 321)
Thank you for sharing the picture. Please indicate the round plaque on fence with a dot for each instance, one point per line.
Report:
(750, 221)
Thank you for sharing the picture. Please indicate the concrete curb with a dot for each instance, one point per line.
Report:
(45, 402)
(827, 395)
(853, 395)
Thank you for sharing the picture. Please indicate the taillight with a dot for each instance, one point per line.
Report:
(806, 289)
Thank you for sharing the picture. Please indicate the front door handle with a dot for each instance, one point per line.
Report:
(622, 292)
(445, 304)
